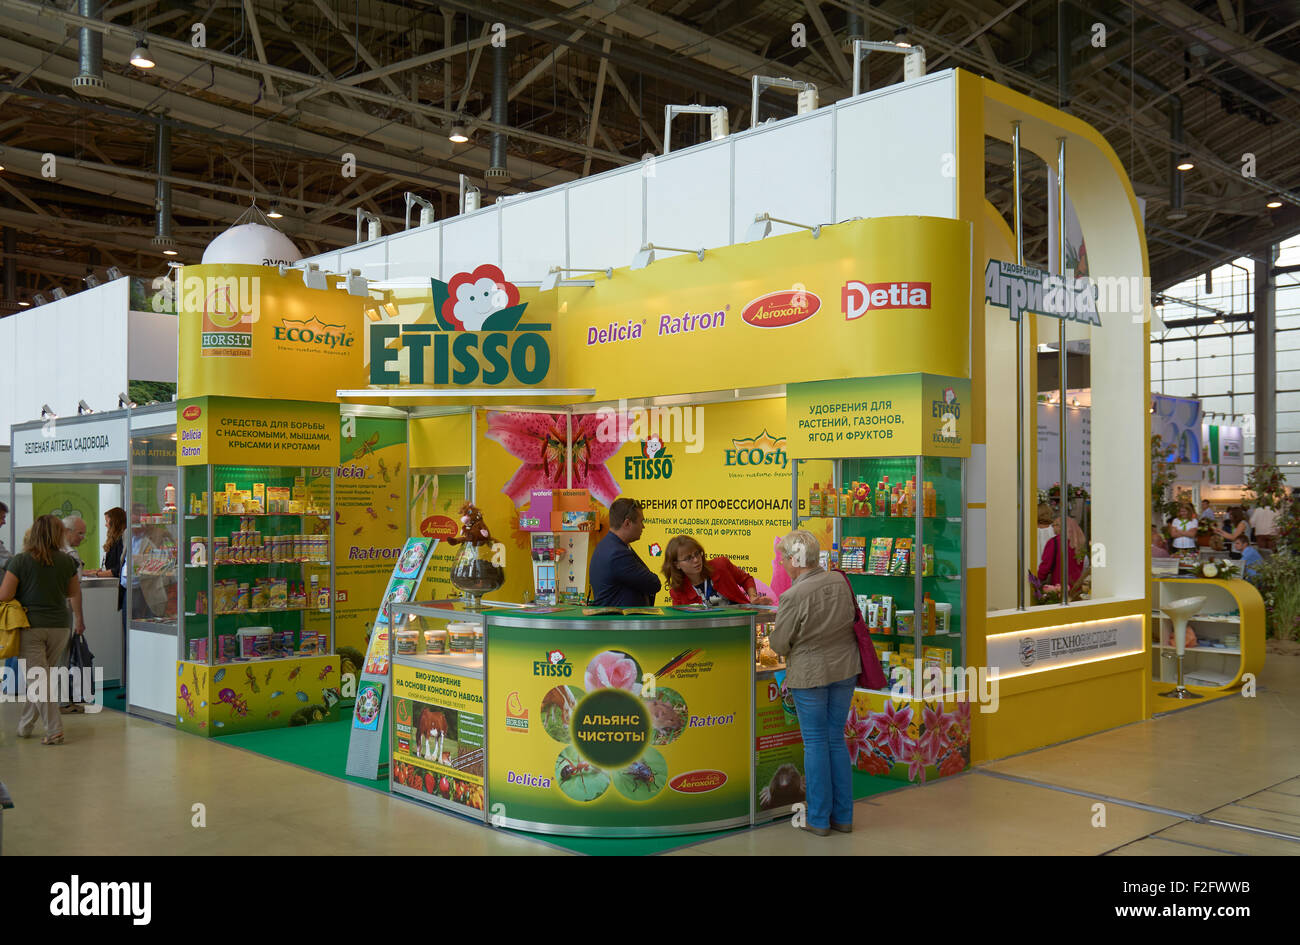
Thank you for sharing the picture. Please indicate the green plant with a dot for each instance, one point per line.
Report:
(1162, 477)
(1278, 580)
(1268, 485)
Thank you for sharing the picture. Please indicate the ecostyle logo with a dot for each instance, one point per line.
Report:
(554, 664)
(479, 337)
(313, 335)
(655, 462)
(781, 309)
(858, 298)
(761, 450)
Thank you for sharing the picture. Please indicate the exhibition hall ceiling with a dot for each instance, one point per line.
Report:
(265, 100)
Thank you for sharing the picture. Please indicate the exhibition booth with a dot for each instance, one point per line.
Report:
(871, 380)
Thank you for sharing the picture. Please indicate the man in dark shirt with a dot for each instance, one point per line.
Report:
(619, 578)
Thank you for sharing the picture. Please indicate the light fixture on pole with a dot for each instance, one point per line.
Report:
(900, 37)
(114, 272)
(140, 57)
(913, 59)
(373, 225)
(806, 92)
(91, 280)
(647, 254)
(426, 209)
(553, 276)
(124, 401)
(1185, 163)
(762, 227)
(719, 122)
(47, 412)
(313, 277)
(38, 299)
(84, 408)
(58, 293)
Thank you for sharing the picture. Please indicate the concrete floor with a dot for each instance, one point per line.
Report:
(1216, 779)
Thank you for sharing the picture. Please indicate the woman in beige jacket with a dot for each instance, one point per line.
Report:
(814, 632)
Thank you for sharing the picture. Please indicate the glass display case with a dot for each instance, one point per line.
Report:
(257, 559)
(896, 527)
(153, 519)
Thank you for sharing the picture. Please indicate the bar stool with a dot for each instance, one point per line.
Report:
(1180, 612)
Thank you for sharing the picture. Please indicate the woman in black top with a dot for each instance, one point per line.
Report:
(114, 528)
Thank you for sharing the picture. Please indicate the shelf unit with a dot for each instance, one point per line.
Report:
(1207, 666)
(943, 531)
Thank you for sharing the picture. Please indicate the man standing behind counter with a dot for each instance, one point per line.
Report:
(619, 578)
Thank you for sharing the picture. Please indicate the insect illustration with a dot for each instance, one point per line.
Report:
(236, 702)
(252, 680)
(641, 773)
(221, 674)
(326, 671)
(194, 674)
(359, 530)
(204, 683)
(367, 446)
(188, 699)
(269, 672)
(302, 696)
(575, 769)
(277, 694)
(383, 469)
(294, 673)
(273, 713)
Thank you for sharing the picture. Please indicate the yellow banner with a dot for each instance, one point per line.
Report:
(224, 430)
(902, 415)
(247, 331)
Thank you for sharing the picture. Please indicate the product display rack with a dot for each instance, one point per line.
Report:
(153, 519)
(248, 564)
(939, 537)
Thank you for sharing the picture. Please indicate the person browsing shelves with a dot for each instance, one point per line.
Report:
(694, 579)
(619, 578)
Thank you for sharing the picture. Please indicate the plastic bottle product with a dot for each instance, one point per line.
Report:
(846, 496)
(815, 500)
(830, 501)
(315, 592)
(930, 499)
(882, 497)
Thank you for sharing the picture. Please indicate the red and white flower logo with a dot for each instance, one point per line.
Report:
(475, 296)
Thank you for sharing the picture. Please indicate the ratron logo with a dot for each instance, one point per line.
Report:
(762, 450)
(479, 337)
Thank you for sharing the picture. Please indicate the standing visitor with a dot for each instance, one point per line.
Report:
(74, 533)
(1236, 527)
(1263, 523)
(1184, 528)
(114, 557)
(619, 578)
(42, 578)
(5, 554)
(814, 632)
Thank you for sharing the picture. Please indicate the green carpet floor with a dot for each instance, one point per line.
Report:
(324, 748)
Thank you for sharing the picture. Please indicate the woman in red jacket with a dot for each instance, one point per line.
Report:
(692, 579)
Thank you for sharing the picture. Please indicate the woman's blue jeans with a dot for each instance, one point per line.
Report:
(828, 773)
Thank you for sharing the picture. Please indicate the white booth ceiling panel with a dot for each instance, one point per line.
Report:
(784, 170)
(895, 153)
(370, 258)
(152, 346)
(470, 241)
(414, 254)
(532, 236)
(8, 375)
(606, 226)
(688, 198)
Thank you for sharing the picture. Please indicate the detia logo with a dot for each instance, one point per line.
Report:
(314, 334)
(761, 450)
(75, 898)
(655, 462)
(858, 298)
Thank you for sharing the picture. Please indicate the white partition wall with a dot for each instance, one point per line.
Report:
(888, 152)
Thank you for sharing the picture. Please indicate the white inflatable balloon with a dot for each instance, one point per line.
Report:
(252, 244)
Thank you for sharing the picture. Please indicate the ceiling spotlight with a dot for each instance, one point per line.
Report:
(274, 213)
(458, 134)
(1185, 163)
(170, 252)
(1218, 318)
(24, 304)
(1274, 201)
(140, 58)
(357, 284)
(47, 412)
(38, 299)
(84, 408)
(58, 293)
(314, 278)
(900, 37)
(91, 280)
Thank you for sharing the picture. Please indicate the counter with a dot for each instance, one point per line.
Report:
(579, 722)
(103, 626)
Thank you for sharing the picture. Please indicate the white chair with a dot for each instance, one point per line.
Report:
(1180, 612)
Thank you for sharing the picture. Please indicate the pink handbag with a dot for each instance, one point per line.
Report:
(872, 675)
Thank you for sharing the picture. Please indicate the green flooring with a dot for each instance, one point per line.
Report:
(324, 747)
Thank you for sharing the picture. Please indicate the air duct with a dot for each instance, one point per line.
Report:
(163, 201)
(497, 168)
(90, 52)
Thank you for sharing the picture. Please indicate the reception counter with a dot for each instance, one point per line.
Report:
(580, 721)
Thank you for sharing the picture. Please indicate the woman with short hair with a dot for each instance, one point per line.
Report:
(42, 578)
(693, 578)
(814, 632)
